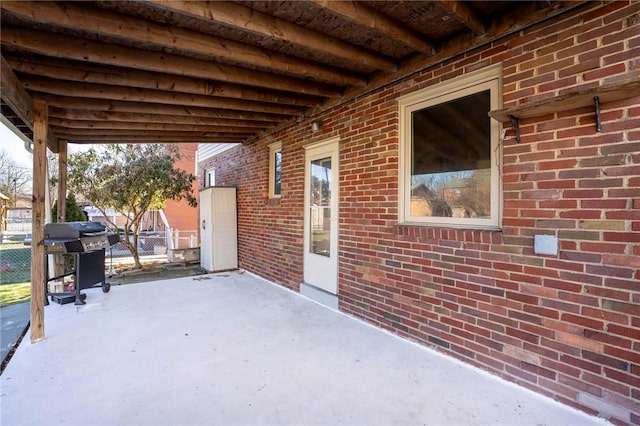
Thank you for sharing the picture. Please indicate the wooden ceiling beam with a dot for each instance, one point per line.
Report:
(168, 127)
(462, 11)
(103, 91)
(363, 16)
(98, 105)
(265, 25)
(68, 47)
(82, 72)
(134, 132)
(18, 99)
(78, 16)
(14, 94)
(149, 137)
(116, 141)
(72, 116)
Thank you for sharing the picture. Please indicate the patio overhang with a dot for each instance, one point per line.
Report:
(160, 71)
(225, 72)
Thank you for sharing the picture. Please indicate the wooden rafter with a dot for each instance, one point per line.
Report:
(145, 133)
(81, 72)
(166, 127)
(14, 94)
(362, 15)
(102, 91)
(92, 104)
(96, 137)
(16, 97)
(234, 15)
(70, 116)
(67, 47)
(462, 11)
(73, 16)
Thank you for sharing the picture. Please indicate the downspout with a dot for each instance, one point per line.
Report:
(28, 144)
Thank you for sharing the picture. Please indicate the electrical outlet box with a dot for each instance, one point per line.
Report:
(545, 244)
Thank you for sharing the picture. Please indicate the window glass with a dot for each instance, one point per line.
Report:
(451, 158)
(275, 170)
(320, 205)
(277, 179)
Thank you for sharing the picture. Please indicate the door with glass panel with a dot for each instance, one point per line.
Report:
(321, 216)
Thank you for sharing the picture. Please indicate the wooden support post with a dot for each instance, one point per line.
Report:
(40, 136)
(62, 180)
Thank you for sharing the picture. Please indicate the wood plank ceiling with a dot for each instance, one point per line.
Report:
(189, 71)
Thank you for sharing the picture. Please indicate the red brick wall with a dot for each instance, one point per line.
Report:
(179, 214)
(566, 326)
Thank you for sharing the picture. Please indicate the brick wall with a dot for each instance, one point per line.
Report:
(566, 326)
(179, 214)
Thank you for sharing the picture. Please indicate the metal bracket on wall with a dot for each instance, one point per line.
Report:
(515, 123)
(596, 102)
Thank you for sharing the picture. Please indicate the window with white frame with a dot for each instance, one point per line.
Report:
(449, 153)
(211, 177)
(275, 170)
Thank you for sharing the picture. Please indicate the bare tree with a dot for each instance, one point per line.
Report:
(15, 180)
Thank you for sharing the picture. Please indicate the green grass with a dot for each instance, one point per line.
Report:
(14, 293)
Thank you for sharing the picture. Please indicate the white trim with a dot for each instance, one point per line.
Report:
(208, 174)
(318, 270)
(487, 78)
(325, 143)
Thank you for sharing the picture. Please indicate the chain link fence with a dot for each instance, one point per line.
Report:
(15, 255)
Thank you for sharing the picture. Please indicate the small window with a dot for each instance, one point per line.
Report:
(275, 170)
(449, 153)
(211, 177)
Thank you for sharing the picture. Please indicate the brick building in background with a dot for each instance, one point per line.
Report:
(180, 216)
(531, 270)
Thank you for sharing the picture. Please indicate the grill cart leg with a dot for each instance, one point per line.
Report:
(46, 279)
(76, 282)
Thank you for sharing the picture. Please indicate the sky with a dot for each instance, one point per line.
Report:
(14, 147)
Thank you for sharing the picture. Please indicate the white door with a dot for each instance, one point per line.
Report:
(321, 216)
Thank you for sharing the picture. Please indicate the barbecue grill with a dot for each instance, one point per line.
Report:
(86, 242)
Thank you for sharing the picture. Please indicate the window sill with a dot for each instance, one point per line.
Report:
(442, 226)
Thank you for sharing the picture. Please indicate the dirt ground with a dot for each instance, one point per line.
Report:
(159, 271)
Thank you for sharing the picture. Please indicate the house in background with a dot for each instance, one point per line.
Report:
(178, 217)
(487, 206)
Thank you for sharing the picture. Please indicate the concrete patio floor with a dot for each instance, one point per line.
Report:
(231, 349)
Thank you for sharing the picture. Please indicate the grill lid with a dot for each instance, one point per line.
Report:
(72, 229)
